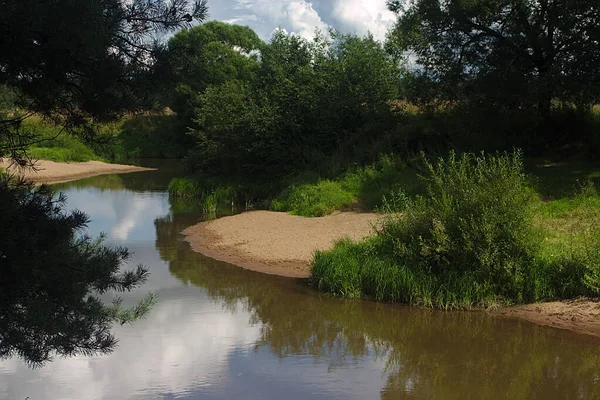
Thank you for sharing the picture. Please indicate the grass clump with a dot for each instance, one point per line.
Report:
(185, 188)
(220, 200)
(473, 240)
(314, 200)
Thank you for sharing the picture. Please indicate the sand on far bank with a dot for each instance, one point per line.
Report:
(579, 315)
(275, 242)
(55, 172)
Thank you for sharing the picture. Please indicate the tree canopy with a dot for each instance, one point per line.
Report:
(209, 54)
(296, 100)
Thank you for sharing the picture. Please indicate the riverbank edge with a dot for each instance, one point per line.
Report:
(50, 172)
(579, 315)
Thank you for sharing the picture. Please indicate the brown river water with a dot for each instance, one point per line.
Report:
(222, 332)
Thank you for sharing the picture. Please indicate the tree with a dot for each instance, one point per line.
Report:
(304, 99)
(523, 53)
(73, 62)
(209, 54)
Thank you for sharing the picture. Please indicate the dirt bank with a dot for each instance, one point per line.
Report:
(54, 172)
(580, 315)
(274, 242)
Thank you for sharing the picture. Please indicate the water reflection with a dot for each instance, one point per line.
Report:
(220, 332)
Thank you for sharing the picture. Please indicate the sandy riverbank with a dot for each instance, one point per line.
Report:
(580, 315)
(274, 242)
(54, 172)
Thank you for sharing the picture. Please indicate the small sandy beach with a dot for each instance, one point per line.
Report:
(275, 242)
(579, 315)
(54, 172)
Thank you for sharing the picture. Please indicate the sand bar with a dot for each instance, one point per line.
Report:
(54, 172)
(275, 242)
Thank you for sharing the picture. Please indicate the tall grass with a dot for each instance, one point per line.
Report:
(474, 239)
(359, 187)
(218, 200)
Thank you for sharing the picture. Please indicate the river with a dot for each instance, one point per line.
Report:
(221, 332)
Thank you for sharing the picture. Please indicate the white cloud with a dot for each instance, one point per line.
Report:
(362, 16)
(295, 16)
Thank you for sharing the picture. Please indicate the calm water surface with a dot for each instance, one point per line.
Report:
(220, 332)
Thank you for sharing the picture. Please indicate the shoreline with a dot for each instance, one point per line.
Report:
(281, 244)
(49, 172)
(581, 315)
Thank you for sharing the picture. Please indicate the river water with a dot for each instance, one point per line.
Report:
(221, 332)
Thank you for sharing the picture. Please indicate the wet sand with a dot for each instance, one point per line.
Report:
(274, 242)
(580, 315)
(54, 172)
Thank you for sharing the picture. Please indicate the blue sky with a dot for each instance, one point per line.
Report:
(302, 17)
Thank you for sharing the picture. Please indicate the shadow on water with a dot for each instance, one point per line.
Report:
(426, 354)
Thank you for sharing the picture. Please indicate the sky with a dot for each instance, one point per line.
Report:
(302, 17)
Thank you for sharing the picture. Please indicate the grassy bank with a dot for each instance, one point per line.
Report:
(134, 137)
(56, 145)
(479, 236)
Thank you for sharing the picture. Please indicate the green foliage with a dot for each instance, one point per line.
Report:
(52, 272)
(195, 60)
(475, 239)
(359, 187)
(145, 136)
(189, 193)
(185, 188)
(81, 62)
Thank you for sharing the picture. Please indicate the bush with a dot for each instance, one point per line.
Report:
(470, 241)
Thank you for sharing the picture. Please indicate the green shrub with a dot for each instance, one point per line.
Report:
(470, 241)
(363, 187)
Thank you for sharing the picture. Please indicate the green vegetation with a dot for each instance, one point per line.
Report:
(143, 136)
(315, 200)
(221, 199)
(478, 237)
(156, 135)
(54, 144)
(359, 188)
